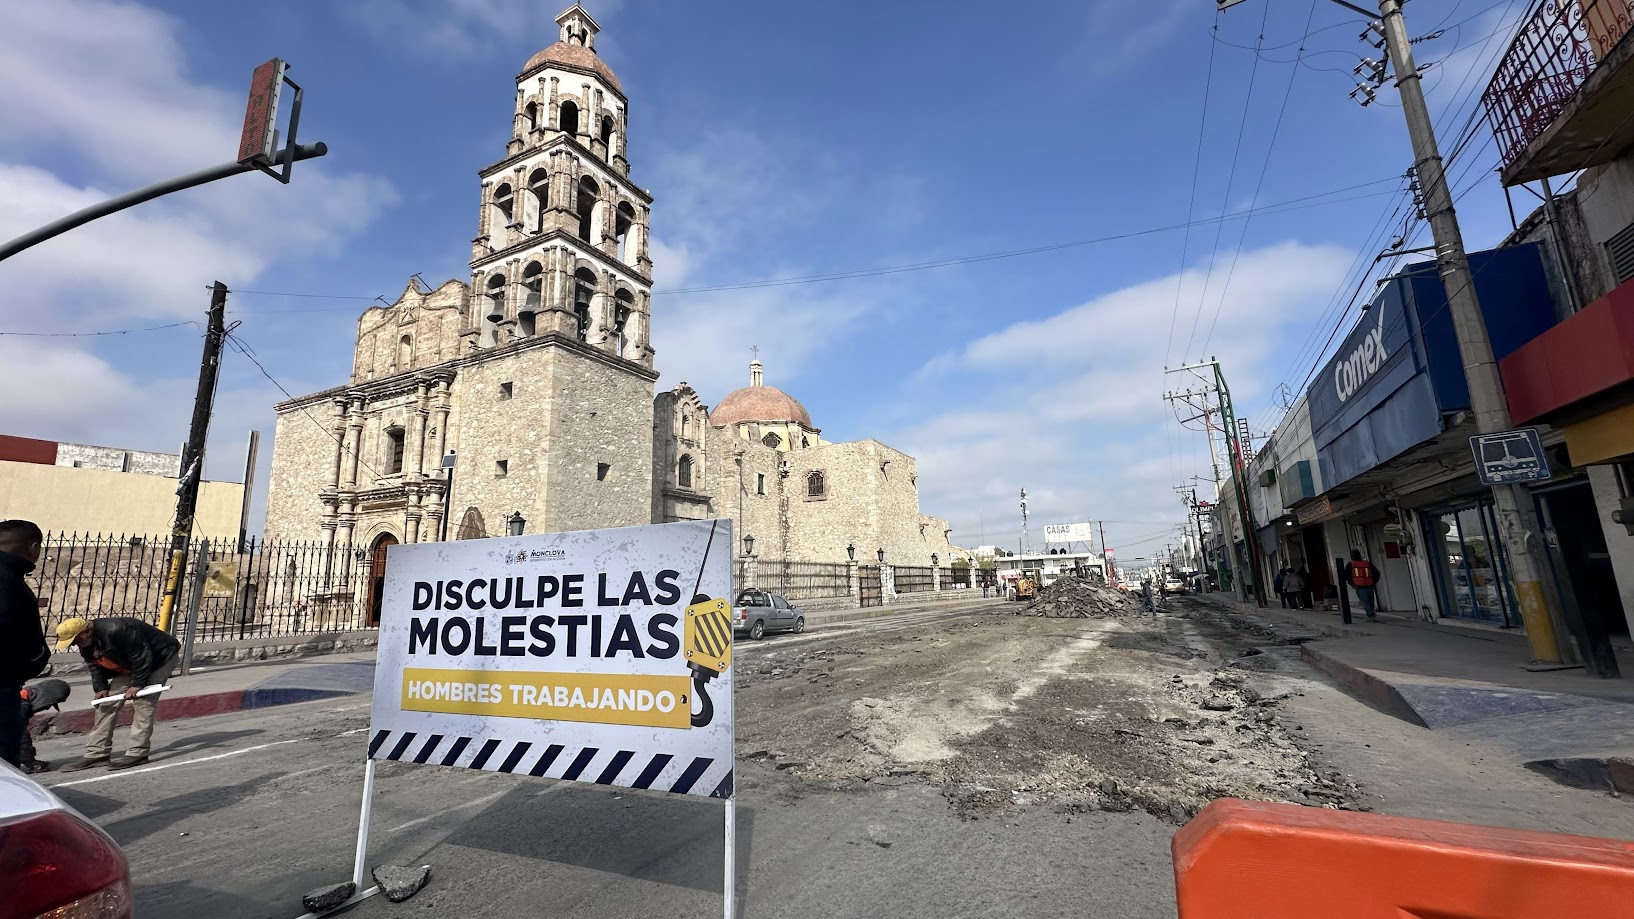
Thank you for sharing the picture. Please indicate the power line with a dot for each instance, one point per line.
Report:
(1191, 205)
(171, 325)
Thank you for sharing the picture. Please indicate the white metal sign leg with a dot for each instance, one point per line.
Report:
(360, 867)
(730, 888)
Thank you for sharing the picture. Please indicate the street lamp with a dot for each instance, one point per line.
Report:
(881, 554)
(851, 551)
(748, 544)
(515, 522)
(448, 492)
(933, 559)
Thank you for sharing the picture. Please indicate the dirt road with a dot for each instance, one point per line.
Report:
(1000, 711)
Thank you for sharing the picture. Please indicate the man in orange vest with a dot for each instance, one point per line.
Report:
(1364, 579)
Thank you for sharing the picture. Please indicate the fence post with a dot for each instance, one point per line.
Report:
(751, 576)
(201, 567)
(853, 584)
(936, 578)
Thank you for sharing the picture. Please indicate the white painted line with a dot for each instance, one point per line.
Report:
(486, 799)
(351, 732)
(185, 762)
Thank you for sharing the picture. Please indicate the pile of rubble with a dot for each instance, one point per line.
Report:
(1078, 598)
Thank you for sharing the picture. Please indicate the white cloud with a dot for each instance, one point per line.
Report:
(98, 101)
(466, 27)
(1069, 406)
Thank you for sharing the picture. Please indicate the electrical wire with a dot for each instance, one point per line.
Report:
(1191, 206)
(156, 328)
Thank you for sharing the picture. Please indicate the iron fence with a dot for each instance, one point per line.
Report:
(911, 579)
(268, 589)
(805, 580)
(1555, 49)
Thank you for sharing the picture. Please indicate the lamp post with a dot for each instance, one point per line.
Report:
(881, 555)
(933, 559)
(448, 492)
(515, 523)
(851, 551)
(748, 544)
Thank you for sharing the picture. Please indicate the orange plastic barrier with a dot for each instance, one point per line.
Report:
(1247, 860)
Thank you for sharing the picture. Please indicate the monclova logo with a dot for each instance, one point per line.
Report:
(1359, 366)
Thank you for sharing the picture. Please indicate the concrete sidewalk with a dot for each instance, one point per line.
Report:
(1474, 684)
(217, 686)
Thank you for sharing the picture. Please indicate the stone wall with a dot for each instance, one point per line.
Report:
(303, 451)
(601, 417)
(681, 429)
(113, 459)
(432, 322)
(871, 500)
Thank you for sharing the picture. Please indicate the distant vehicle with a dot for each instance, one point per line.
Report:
(54, 861)
(760, 611)
(1173, 585)
(1027, 584)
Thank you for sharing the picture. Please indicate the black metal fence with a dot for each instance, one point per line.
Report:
(911, 579)
(268, 589)
(805, 580)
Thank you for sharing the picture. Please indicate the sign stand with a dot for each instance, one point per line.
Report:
(729, 887)
(360, 865)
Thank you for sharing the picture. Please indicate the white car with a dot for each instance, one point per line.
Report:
(1174, 586)
(54, 862)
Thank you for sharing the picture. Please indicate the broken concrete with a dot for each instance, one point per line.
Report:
(399, 883)
(324, 899)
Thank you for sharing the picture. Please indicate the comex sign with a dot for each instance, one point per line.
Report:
(1354, 370)
(602, 656)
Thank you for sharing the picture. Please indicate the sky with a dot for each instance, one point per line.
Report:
(1034, 209)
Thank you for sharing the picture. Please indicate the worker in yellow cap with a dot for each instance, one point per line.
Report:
(124, 655)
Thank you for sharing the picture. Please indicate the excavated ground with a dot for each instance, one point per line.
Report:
(1111, 712)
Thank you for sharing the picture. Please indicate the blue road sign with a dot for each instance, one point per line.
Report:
(1509, 456)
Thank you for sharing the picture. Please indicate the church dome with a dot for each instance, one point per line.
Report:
(759, 403)
(573, 57)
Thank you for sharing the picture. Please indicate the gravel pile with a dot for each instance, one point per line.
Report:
(1077, 598)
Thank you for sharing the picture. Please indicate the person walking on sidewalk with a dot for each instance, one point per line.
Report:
(123, 655)
(1280, 585)
(23, 652)
(1294, 583)
(1363, 578)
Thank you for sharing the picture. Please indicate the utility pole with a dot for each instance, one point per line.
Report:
(1518, 527)
(192, 465)
(1254, 583)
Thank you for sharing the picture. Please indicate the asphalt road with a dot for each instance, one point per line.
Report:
(240, 814)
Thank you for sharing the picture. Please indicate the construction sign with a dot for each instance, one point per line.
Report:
(221, 578)
(599, 656)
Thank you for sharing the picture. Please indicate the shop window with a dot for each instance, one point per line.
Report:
(1470, 570)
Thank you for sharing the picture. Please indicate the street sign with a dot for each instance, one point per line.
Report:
(600, 656)
(1509, 456)
(259, 140)
(1069, 532)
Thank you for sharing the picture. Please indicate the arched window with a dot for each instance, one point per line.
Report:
(405, 352)
(570, 118)
(530, 117)
(394, 450)
(623, 220)
(584, 289)
(772, 440)
(623, 307)
(589, 197)
(504, 215)
(683, 472)
(471, 525)
(494, 292)
(539, 188)
(815, 486)
(607, 132)
(533, 283)
(686, 425)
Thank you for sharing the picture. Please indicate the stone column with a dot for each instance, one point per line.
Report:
(354, 442)
(553, 116)
(936, 577)
(587, 114)
(855, 584)
(346, 524)
(411, 520)
(440, 408)
(328, 528)
(487, 208)
(415, 464)
(642, 262)
(519, 202)
(339, 430)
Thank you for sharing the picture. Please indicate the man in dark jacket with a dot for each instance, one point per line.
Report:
(124, 655)
(23, 652)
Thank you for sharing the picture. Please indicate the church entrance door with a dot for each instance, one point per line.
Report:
(377, 575)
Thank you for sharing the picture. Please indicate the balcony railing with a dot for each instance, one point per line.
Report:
(1550, 58)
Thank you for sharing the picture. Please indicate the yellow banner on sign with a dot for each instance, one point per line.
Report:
(221, 578)
(647, 700)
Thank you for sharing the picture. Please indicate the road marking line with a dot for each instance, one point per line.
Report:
(351, 732)
(488, 799)
(185, 762)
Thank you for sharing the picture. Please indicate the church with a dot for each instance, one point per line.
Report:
(523, 401)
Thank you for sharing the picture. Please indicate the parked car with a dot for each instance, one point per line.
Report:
(760, 611)
(53, 861)
(1173, 585)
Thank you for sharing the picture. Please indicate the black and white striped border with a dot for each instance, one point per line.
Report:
(655, 771)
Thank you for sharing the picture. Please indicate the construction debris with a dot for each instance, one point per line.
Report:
(1077, 598)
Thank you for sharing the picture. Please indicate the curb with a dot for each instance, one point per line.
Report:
(816, 620)
(214, 703)
(1596, 772)
(1372, 690)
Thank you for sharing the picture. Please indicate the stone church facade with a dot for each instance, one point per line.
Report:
(536, 377)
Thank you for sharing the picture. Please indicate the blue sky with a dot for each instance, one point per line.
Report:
(781, 141)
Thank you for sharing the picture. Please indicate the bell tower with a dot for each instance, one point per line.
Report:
(561, 244)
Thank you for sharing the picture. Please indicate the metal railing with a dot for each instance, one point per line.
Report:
(1552, 55)
(805, 580)
(270, 589)
(912, 579)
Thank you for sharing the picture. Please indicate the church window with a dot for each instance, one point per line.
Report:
(816, 487)
(502, 468)
(623, 220)
(405, 352)
(530, 117)
(539, 188)
(505, 205)
(683, 472)
(589, 199)
(533, 285)
(394, 451)
(624, 306)
(607, 131)
(570, 118)
(760, 483)
(772, 440)
(471, 525)
(686, 425)
(584, 288)
(495, 294)
(506, 389)
(601, 471)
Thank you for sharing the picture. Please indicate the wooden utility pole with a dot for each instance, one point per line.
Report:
(192, 472)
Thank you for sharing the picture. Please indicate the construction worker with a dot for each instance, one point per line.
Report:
(23, 653)
(1363, 578)
(124, 655)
